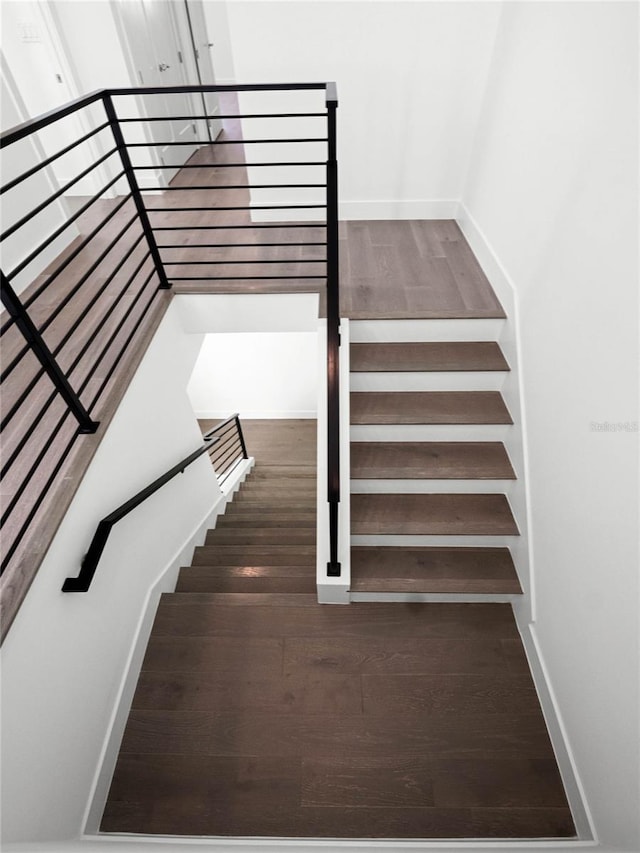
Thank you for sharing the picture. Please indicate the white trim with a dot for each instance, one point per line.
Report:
(257, 414)
(165, 582)
(567, 765)
(436, 380)
(174, 844)
(409, 330)
(433, 540)
(430, 432)
(417, 208)
(392, 486)
(436, 597)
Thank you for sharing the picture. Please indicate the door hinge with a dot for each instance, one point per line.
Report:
(180, 56)
(194, 127)
(197, 53)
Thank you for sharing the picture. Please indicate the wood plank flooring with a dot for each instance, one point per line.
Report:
(260, 713)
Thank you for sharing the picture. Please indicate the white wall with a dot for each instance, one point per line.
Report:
(18, 202)
(410, 82)
(259, 355)
(551, 196)
(65, 658)
(258, 374)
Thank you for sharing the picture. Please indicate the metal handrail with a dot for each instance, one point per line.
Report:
(82, 582)
(70, 389)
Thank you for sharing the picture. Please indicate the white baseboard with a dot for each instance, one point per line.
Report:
(417, 208)
(212, 414)
(487, 258)
(558, 733)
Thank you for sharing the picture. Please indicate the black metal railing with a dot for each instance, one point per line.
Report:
(215, 436)
(229, 448)
(81, 285)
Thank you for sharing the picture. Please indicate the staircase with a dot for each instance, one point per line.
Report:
(262, 550)
(430, 475)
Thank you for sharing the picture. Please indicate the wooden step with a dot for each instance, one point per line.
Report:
(301, 483)
(428, 407)
(252, 585)
(279, 490)
(427, 356)
(256, 535)
(290, 579)
(264, 554)
(277, 599)
(433, 460)
(265, 519)
(283, 472)
(276, 500)
(433, 570)
(432, 514)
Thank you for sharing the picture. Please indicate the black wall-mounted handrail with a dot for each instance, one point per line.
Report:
(82, 582)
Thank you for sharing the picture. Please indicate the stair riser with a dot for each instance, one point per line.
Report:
(250, 520)
(277, 536)
(434, 597)
(363, 331)
(423, 381)
(425, 487)
(429, 432)
(436, 541)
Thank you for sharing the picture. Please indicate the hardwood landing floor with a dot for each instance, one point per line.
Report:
(296, 720)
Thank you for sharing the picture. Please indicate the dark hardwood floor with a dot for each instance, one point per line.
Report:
(259, 712)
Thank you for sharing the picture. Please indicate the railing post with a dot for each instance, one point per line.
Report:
(245, 455)
(333, 334)
(135, 190)
(44, 355)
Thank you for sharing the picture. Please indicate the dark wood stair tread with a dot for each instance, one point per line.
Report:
(271, 535)
(433, 570)
(263, 554)
(427, 356)
(432, 514)
(250, 518)
(262, 599)
(283, 472)
(296, 579)
(428, 407)
(430, 460)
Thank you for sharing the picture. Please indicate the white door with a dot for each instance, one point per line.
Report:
(169, 54)
(158, 55)
(201, 45)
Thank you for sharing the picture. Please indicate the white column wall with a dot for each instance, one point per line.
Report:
(551, 197)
